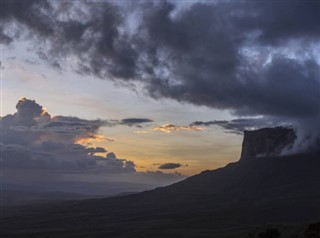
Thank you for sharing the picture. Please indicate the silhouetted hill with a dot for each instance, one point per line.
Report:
(19, 197)
(242, 194)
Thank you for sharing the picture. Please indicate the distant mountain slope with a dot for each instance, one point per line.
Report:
(246, 193)
(20, 197)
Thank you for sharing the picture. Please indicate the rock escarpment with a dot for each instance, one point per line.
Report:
(266, 142)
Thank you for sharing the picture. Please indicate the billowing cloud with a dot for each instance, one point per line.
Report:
(168, 128)
(31, 124)
(27, 14)
(33, 139)
(6, 40)
(250, 57)
(28, 111)
(169, 166)
(51, 153)
(93, 150)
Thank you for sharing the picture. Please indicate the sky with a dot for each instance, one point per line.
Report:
(149, 92)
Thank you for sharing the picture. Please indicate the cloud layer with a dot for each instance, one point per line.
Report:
(51, 153)
(253, 58)
(33, 139)
(240, 125)
(204, 54)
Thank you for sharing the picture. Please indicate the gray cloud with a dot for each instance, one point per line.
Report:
(279, 22)
(40, 152)
(4, 39)
(111, 155)
(196, 55)
(206, 65)
(62, 157)
(73, 126)
(237, 126)
(28, 13)
(92, 150)
(169, 166)
(130, 122)
(32, 139)
(28, 111)
(253, 58)
(134, 121)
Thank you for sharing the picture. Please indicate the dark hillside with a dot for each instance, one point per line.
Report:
(243, 194)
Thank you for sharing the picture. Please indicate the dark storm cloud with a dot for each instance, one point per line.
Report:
(255, 58)
(28, 13)
(202, 51)
(61, 157)
(170, 166)
(282, 21)
(32, 139)
(4, 39)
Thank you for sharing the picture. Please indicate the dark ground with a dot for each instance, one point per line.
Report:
(239, 200)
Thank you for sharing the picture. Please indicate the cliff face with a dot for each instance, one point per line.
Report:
(266, 142)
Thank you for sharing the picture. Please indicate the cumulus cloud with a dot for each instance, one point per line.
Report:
(31, 124)
(33, 139)
(169, 166)
(252, 58)
(51, 153)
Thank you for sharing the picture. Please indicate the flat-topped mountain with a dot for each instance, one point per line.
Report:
(243, 194)
(266, 142)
